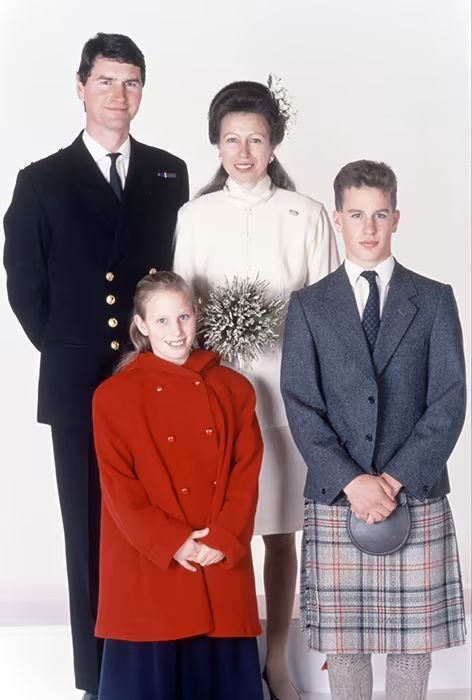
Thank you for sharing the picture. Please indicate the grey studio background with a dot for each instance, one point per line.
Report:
(371, 79)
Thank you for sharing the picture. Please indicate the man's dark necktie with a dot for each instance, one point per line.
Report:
(115, 180)
(371, 315)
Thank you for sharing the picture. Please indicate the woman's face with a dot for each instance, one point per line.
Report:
(245, 147)
(170, 324)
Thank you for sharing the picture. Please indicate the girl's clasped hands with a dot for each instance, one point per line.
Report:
(193, 551)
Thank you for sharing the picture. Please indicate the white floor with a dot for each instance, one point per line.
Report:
(36, 664)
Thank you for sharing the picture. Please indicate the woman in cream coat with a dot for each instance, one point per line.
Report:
(249, 222)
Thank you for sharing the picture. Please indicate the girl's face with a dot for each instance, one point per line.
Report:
(170, 324)
(245, 147)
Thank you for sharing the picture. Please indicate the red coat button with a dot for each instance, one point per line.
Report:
(159, 388)
(171, 438)
(185, 490)
(209, 431)
(197, 382)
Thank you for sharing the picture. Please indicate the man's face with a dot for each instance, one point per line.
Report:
(366, 222)
(111, 95)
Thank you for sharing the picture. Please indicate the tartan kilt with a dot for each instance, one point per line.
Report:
(410, 601)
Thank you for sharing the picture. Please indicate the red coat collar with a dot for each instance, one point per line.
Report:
(198, 362)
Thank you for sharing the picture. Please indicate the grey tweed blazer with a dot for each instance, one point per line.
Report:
(401, 411)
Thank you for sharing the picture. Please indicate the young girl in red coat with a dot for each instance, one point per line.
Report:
(179, 452)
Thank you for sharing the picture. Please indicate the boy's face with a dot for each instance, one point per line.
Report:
(366, 223)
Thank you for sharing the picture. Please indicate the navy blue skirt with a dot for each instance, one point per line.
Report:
(196, 668)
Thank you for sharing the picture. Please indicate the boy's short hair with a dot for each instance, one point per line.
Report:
(365, 173)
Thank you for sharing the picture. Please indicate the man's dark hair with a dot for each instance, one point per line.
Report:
(115, 47)
(365, 173)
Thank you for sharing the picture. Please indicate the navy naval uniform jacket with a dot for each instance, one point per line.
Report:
(73, 255)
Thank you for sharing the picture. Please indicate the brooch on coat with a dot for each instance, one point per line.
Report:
(166, 175)
(293, 212)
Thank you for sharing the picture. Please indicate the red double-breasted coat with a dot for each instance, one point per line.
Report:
(179, 449)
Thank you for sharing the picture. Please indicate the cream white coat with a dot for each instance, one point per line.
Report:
(284, 238)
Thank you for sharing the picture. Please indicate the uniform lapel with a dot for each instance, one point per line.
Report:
(343, 315)
(133, 196)
(398, 313)
(93, 191)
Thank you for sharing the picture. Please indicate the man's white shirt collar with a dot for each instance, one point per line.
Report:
(97, 151)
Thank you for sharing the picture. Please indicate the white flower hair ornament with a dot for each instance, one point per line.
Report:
(284, 101)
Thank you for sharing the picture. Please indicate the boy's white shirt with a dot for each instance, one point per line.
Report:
(360, 285)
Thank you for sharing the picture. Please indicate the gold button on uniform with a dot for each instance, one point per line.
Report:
(152, 271)
(185, 490)
(112, 322)
(110, 299)
(115, 345)
(110, 276)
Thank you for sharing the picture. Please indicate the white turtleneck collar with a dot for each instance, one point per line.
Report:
(249, 198)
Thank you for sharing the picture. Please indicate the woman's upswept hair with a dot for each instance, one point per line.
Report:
(158, 281)
(251, 98)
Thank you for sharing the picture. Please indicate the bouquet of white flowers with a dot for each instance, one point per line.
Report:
(240, 319)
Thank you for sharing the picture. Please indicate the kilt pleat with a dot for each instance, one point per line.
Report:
(410, 601)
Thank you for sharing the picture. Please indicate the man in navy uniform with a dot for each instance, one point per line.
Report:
(84, 225)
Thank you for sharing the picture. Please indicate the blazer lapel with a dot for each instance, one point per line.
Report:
(343, 315)
(398, 313)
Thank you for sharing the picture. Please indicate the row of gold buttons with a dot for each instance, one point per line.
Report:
(110, 276)
(112, 321)
(110, 300)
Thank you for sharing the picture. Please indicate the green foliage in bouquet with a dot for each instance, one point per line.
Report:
(240, 319)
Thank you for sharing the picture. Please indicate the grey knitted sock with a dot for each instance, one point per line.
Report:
(350, 676)
(407, 676)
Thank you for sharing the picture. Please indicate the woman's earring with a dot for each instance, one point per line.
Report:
(271, 159)
(219, 155)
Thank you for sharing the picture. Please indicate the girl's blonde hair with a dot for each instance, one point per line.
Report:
(147, 285)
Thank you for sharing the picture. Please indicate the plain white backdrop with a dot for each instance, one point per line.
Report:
(371, 79)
